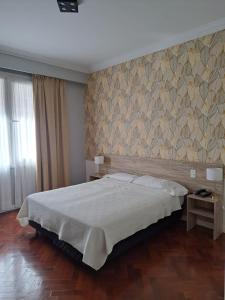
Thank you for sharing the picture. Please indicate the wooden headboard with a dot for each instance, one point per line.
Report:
(170, 169)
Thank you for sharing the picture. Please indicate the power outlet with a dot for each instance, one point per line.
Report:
(193, 173)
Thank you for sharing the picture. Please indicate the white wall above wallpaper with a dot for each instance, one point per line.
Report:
(104, 32)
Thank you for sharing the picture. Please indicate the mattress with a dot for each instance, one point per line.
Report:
(94, 216)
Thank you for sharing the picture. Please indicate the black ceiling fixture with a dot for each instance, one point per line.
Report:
(68, 6)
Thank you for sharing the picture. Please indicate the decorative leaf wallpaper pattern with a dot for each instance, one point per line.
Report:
(169, 104)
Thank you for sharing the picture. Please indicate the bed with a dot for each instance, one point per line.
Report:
(93, 221)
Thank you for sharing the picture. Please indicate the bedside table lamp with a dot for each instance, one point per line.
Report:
(99, 160)
(214, 174)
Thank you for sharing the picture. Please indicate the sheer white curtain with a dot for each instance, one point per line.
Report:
(23, 139)
(17, 142)
(5, 177)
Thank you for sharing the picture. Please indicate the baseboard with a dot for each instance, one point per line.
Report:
(10, 210)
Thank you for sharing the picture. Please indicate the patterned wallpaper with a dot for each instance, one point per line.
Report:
(169, 104)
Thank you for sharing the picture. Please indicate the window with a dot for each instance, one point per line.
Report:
(17, 140)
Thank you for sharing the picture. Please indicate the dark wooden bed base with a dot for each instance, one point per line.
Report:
(120, 247)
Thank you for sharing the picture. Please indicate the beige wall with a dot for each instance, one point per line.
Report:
(76, 119)
(169, 104)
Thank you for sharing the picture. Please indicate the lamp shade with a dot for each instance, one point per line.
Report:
(99, 160)
(214, 174)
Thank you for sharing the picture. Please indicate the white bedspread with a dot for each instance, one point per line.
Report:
(94, 216)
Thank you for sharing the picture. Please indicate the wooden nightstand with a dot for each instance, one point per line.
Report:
(95, 176)
(209, 208)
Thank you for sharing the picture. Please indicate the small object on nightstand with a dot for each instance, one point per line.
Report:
(208, 208)
(96, 176)
(203, 193)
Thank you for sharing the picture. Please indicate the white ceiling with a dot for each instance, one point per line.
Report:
(105, 32)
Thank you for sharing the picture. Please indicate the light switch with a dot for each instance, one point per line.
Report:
(193, 173)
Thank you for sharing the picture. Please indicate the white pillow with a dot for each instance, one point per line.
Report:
(149, 181)
(172, 187)
(122, 176)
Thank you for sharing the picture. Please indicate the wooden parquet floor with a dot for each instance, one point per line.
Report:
(173, 266)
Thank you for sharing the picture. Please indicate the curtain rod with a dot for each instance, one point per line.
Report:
(10, 71)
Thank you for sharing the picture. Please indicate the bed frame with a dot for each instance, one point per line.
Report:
(120, 248)
(170, 169)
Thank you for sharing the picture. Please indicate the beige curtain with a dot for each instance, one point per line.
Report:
(51, 133)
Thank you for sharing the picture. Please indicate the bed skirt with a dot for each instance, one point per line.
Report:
(120, 247)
